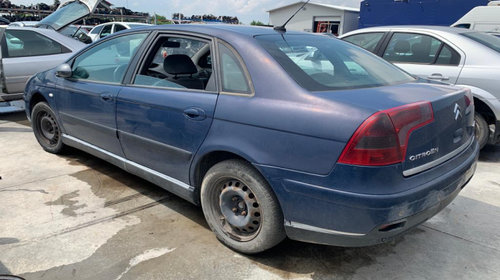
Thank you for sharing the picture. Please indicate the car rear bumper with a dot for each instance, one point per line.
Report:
(363, 219)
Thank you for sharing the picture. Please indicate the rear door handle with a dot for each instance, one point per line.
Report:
(438, 76)
(107, 97)
(196, 114)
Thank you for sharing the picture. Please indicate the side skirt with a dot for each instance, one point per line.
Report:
(168, 183)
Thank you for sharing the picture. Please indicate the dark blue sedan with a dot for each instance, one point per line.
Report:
(273, 133)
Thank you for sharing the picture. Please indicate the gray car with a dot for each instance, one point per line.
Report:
(451, 55)
(26, 51)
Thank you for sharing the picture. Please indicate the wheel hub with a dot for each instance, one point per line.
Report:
(239, 208)
(48, 127)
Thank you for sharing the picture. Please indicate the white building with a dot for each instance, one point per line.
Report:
(316, 17)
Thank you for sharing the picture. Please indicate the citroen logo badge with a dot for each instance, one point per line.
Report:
(457, 111)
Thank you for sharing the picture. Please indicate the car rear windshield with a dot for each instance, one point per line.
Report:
(491, 41)
(319, 63)
(65, 15)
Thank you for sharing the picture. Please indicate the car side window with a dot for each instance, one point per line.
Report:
(119, 27)
(367, 41)
(232, 74)
(97, 29)
(420, 49)
(412, 48)
(106, 30)
(178, 62)
(23, 43)
(108, 61)
(448, 56)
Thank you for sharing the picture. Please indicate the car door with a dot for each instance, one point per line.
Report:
(87, 101)
(25, 53)
(425, 56)
(165, 112)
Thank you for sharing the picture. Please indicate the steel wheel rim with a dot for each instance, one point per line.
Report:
(237, 209)
(48, 128)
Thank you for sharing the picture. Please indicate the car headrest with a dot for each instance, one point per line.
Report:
(402, 46)
(176, 64)
(419, 49)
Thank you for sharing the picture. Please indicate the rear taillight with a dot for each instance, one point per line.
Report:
(469, 99)
(383, 138)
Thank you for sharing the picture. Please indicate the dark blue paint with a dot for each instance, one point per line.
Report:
(422, 12)
(155, 130)
(292, 136)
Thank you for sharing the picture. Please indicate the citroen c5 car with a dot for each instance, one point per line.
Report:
(330, 145)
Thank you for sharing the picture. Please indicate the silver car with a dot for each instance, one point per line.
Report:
(452, 55)
(26, 51)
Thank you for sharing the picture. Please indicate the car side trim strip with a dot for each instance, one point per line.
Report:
(438, 161)
(321, 230)
(171, 184)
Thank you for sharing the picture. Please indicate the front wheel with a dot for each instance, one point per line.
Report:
(482, 130)
(46, 128)
(241, 208)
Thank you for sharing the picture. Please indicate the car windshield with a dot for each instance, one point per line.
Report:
(65, 15)
(319, 63)
(491, 41)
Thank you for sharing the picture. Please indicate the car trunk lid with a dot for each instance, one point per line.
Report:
(450, 133)
(69, 12)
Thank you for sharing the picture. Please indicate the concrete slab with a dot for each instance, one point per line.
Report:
(77, 217)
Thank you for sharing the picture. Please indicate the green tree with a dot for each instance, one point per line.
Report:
(258, 23)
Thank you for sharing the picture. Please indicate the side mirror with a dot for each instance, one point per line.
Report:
(64, 71)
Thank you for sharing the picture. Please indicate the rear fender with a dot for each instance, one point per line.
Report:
(489, 99)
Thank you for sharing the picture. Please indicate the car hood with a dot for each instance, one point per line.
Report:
(69, 11)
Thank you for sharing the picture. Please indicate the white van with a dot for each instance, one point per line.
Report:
(483, 18)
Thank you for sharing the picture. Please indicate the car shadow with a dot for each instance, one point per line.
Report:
(490, 153)
(17, 117)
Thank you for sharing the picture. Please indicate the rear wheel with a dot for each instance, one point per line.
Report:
(46, 128)
(240, 207)
(482, 130)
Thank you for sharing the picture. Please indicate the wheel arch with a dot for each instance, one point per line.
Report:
(210, 157)
(36, 98)
(484, 105)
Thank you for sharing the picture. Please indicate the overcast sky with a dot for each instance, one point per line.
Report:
(245, 10)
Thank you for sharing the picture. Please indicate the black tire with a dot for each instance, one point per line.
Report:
(240, 207)
(482, 130)
(46, 128)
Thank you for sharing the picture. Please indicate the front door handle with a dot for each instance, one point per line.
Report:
(196, 114)
(438, 76)
(107, 97)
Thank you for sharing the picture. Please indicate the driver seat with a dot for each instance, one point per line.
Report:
(183, 68)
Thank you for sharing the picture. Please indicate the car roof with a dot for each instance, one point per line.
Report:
(216, 29)
(435, 28)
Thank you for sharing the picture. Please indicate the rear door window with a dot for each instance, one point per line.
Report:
(419, 49)
(23, 43)
(368, 41)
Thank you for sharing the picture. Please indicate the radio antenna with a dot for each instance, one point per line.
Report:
(282, 27)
